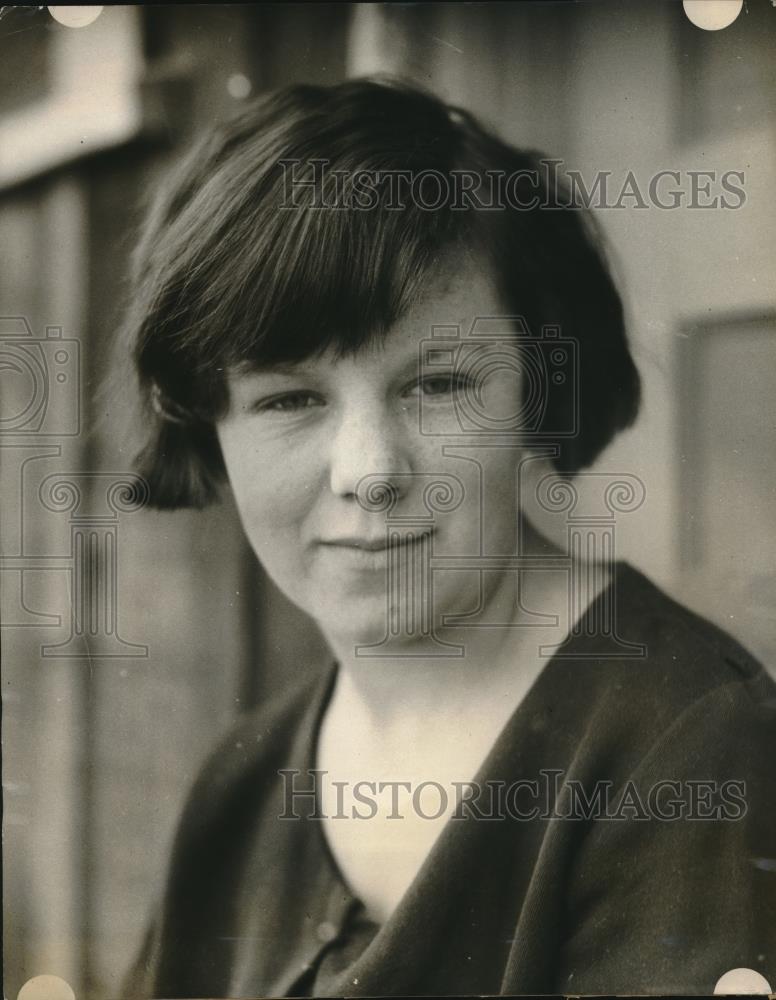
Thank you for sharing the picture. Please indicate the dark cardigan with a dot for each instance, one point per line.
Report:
(635, 904)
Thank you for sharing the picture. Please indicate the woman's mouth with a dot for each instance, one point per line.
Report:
(375, 551)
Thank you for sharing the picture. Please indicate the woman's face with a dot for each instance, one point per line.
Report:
(299, 440)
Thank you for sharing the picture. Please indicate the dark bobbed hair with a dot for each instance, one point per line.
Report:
(224, 275)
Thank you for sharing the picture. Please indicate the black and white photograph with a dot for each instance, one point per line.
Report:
(388, 485)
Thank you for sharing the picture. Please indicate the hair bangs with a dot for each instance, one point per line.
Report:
(334, 280)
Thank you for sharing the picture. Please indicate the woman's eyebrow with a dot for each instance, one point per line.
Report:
(434, 355)
(411, 366)
(273, 368)
(426, 360)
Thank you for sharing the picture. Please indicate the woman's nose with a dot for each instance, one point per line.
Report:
(368, 442)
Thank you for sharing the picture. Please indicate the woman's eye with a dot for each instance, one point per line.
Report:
(289, 402)
(443, 385)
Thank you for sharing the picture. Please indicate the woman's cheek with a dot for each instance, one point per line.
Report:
(277, 498)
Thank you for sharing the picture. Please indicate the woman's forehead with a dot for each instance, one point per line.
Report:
(456, 293)
(458, 289)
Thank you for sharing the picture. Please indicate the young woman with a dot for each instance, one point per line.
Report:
(387, 331)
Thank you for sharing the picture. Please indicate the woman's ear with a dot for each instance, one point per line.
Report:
(536, 479)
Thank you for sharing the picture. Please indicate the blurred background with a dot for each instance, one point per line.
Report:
(131, 638)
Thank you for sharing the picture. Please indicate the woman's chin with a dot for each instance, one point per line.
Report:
(359, 621)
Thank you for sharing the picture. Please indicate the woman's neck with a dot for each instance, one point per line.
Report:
(401, 696)
(419, 726)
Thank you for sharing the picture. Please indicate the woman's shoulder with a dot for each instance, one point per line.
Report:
(686, 687)
(273, 735)
(688, 655)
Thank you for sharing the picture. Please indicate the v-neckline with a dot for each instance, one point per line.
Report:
(532, 697)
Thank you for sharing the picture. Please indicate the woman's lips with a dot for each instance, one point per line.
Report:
(373, 552)
(377, 544)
